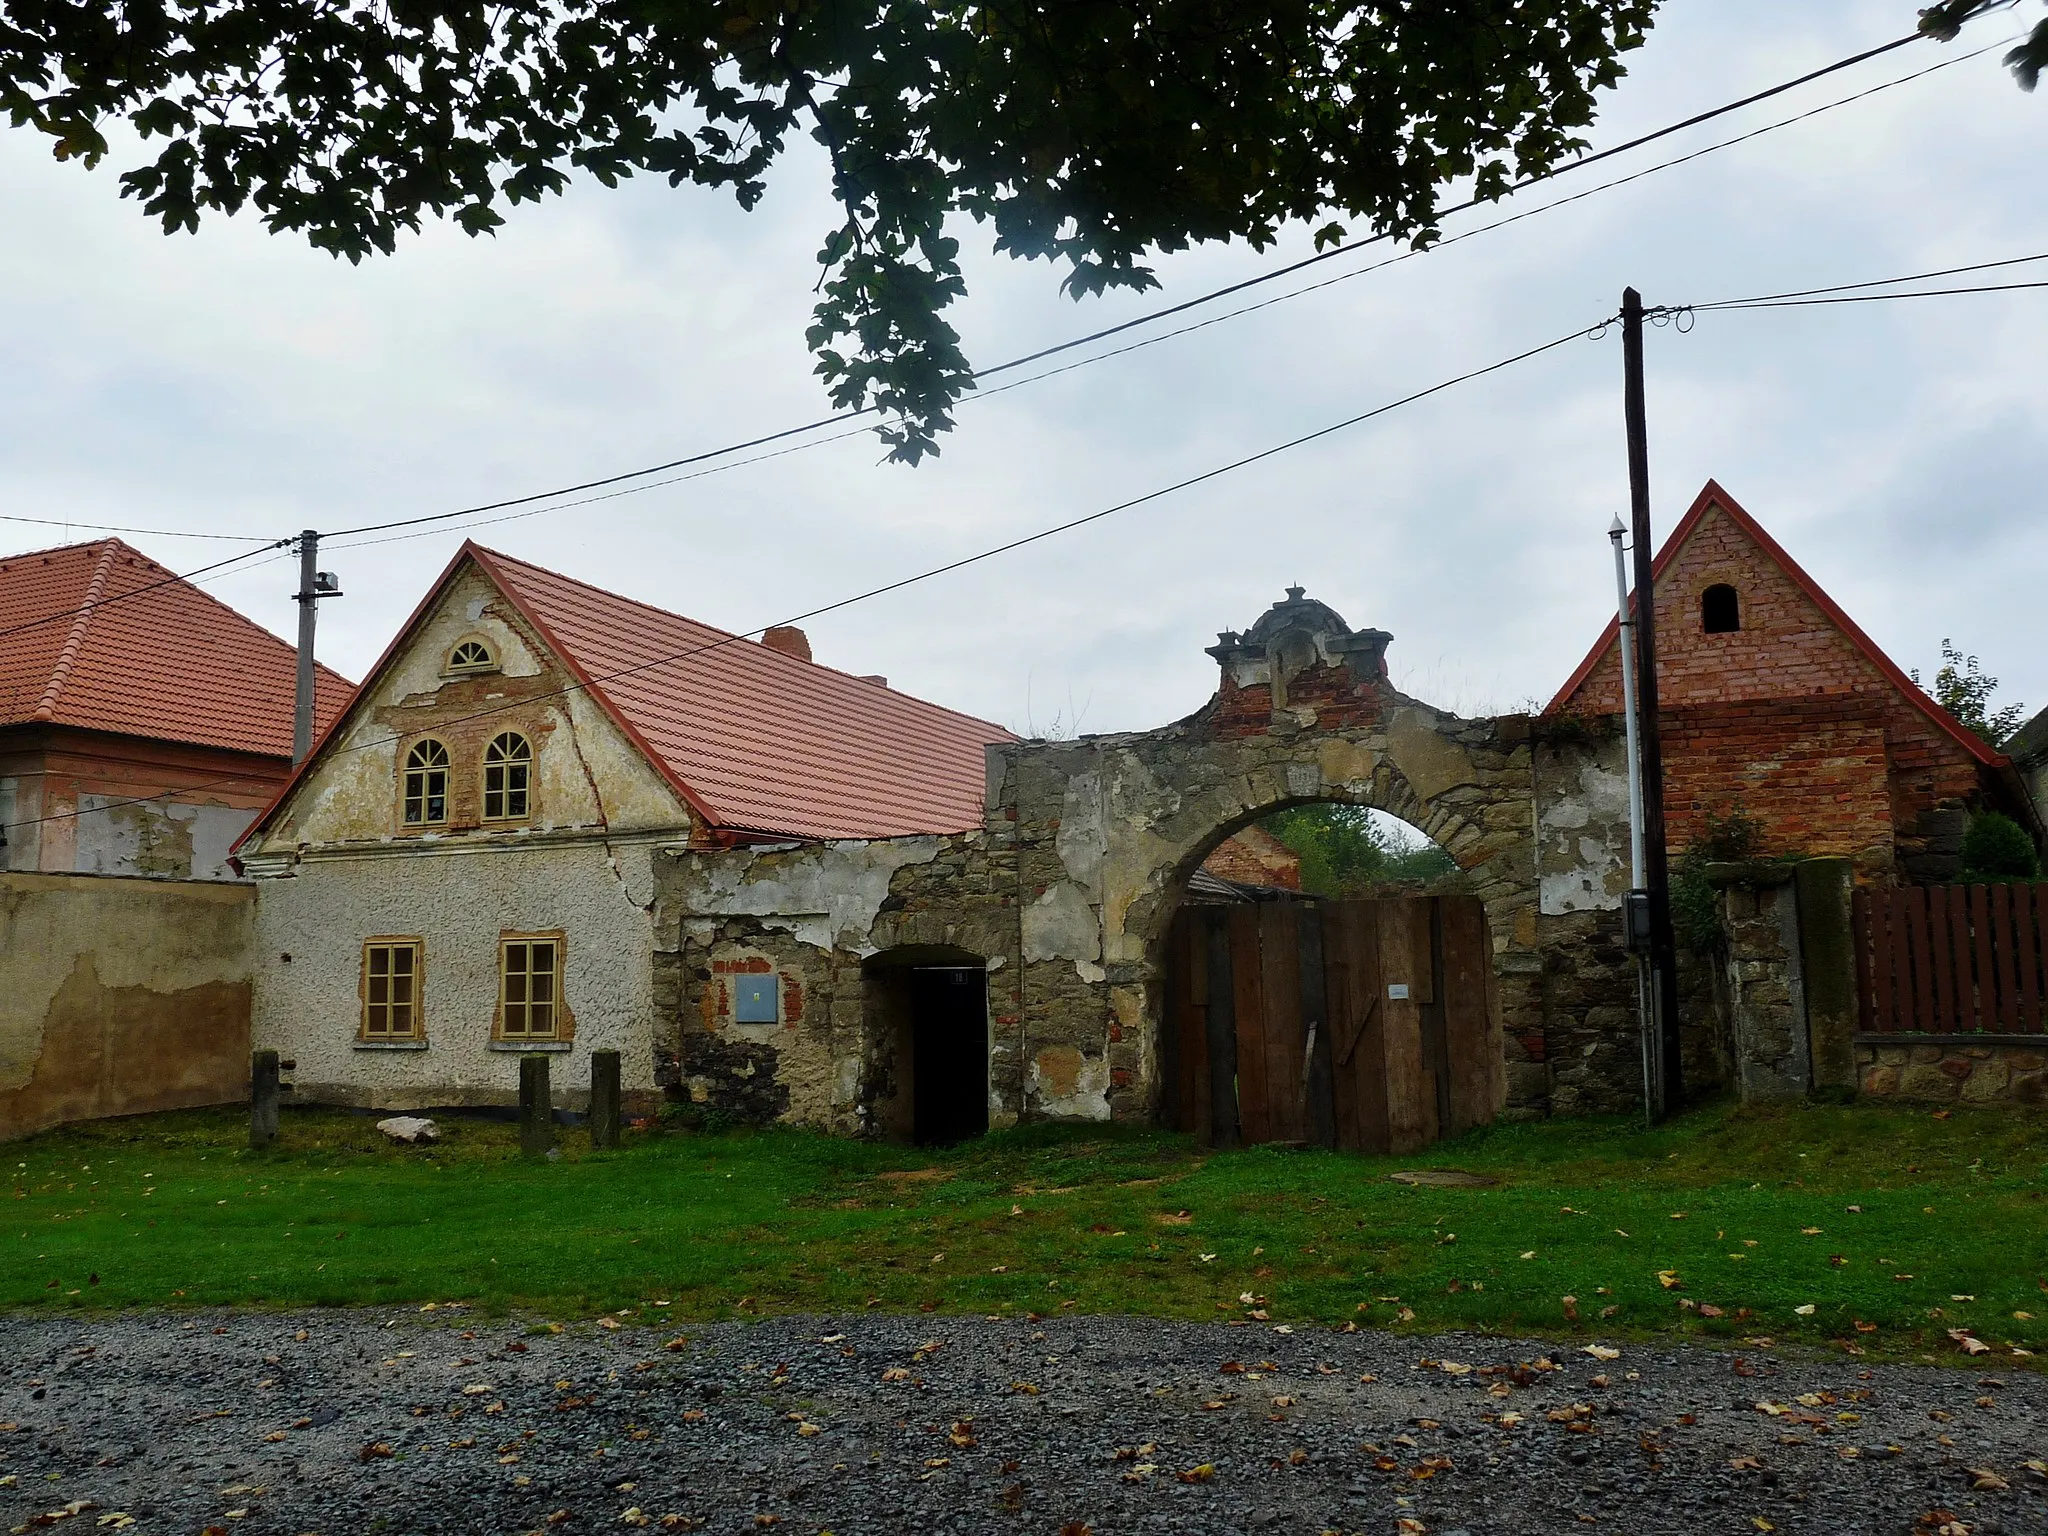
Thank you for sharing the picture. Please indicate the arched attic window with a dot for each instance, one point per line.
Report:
(508, 765)
(1720, 610)
(426, 784)
(471, 656)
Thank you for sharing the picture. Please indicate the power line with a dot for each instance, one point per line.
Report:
(155, 533)
(143, 591)
(1172, 309)
(932, 572)
(1870, 298)
(1879, 282)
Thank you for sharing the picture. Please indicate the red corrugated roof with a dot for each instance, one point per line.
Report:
(1711, 495)
(100, 637)
(757, 741)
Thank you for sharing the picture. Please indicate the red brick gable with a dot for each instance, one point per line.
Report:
(1796, 716)
(1795, 642)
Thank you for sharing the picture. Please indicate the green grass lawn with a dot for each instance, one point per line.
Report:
(1892, 1225)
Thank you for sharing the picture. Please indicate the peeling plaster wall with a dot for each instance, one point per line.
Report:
(1582, 824)
(164, 839)
(338, 867)
(1067, 896)
(120, 997)
(828, 921)
(458, 902)
(587, 775)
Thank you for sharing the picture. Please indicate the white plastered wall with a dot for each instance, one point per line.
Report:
(307, 1008)
(334, 870)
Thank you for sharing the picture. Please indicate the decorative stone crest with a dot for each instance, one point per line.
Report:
(1292, 637)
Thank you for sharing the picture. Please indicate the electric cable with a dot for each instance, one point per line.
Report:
(1864, 298)
(155, 533)
(143, 591)
(993, 552)
(1182, 307)
(1408, 255)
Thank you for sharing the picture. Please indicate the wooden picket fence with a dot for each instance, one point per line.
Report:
(1952, 959)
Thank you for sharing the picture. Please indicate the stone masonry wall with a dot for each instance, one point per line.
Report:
(1951, 1072)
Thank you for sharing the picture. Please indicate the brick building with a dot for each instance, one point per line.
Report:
(143, 723)
(1773, 701)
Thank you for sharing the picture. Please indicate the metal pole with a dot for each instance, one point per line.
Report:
(1627, 633)
(1646, 1005)
(1656, 860)
(309, 607)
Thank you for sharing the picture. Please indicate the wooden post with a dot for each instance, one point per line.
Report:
(536, 1106)
(1656, 857)
(604, 1098)
(262, 1098)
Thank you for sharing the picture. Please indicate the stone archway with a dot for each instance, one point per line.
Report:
(1066, 893)
(1108, 828)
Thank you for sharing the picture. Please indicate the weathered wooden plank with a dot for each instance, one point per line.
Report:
(1248, 996)
(1861, 944)
(1920, 1014)
(1888, 956)
(1411, 1092)
(1351, 949)
(1220, 1032)
(1942, 960)
(1280, 989)
(2028, 912)
(2003, 945)
(1987, 974)
(1174, 1110)
(1965, 1016)
(1464, 994)
(1319, 1123)
(1189, 974)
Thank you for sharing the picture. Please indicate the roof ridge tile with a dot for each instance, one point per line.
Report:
(46, 706)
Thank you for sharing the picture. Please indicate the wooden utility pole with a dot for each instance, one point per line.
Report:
(1656, 859)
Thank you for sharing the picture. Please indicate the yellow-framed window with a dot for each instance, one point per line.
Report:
(426, 784)
(508, 766)
(530, 986)
(393, 971)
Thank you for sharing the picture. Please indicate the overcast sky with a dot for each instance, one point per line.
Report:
(240, 382)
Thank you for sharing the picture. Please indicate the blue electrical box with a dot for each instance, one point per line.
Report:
(757, 999)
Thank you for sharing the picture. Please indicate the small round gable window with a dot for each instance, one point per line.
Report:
(1720, 610)
(471, 656)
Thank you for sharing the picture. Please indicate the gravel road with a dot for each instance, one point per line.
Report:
(346, 1422)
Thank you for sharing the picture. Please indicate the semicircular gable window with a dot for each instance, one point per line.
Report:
(426, 784)
(508, 766)
(1720, 610)
(471, 656)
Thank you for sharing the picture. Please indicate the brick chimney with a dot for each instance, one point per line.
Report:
(789, 640)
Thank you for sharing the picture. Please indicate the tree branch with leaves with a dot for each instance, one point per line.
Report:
(1095, 134)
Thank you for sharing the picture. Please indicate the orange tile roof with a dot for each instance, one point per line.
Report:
(758, 740)
(100, 637)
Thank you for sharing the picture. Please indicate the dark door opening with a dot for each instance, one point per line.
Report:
(949, 1046)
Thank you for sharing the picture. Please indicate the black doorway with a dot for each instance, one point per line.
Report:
(949, 1045)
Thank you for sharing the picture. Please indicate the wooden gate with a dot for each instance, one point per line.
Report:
(1952, 959)
(1365, 1025)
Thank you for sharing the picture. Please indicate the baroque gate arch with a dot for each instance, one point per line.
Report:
(1108, 828)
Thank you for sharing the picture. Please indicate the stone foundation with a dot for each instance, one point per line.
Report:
(1953, 1072)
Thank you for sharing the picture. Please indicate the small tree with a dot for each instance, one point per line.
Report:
(1964, 689)
(1995, 847)
(1345, 853)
